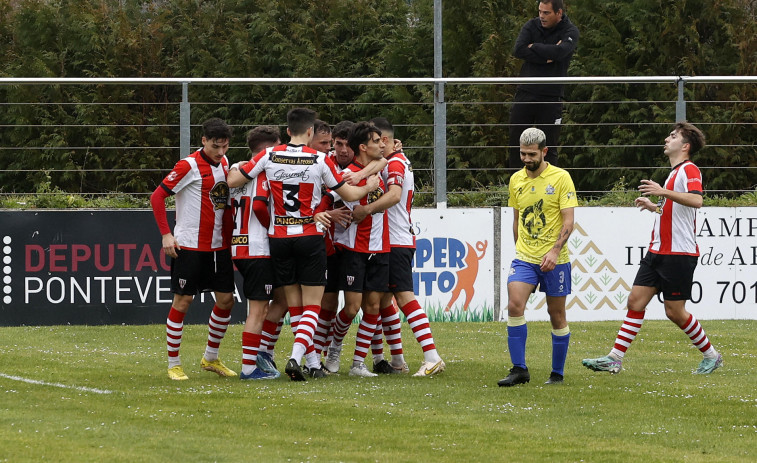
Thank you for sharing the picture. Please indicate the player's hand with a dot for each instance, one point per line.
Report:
(170, 245)
(359, 213)
(397, 145)
(351, 178)
(372, 182)
(650, 187)
(549, 261)
(342, 216)
(323, 219)
(645, 203)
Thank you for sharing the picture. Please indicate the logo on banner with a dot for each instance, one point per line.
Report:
(448, 265)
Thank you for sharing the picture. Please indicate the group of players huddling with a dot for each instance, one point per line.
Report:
(300, 222)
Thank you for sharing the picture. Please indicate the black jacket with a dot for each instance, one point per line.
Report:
(545, 48)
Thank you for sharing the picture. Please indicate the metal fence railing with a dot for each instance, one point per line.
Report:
(182, 103)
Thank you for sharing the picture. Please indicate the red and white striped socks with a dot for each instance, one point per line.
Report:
(632, 325)
(628, 331)
(174, 331)
(390, 320)
(364, 336)
(269, 336)
(250, 346)
(304, 333)
(320, 338)
(217, 325)
(418, 322)
(696, 333)
(341, 325)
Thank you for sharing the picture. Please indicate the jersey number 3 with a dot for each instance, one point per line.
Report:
(291, 200)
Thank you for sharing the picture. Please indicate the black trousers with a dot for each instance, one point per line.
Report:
(529, 110)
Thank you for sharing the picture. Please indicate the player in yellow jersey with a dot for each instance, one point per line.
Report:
(542, 197)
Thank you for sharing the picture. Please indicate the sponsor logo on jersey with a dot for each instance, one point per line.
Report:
(239, 240)
(284, 220)
(375, 195)
(550, 190)
(293, 160)
(281, 175)
(172, 176)
(219, 195)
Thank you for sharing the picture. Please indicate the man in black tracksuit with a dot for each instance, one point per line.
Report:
(546, 44)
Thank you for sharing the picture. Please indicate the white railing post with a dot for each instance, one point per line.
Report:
(681, 102)
(440, 115)
(185, 132)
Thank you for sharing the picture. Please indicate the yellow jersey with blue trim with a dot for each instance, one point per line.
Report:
(538, 202)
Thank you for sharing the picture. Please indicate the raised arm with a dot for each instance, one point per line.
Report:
(650, 187)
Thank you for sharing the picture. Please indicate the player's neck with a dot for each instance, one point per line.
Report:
(678, 158)
(362, 159)
(537, 172)
(299, 140)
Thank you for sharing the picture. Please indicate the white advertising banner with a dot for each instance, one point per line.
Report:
(608, 243)
(453, 267)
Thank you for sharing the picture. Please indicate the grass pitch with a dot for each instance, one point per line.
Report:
(75, 393)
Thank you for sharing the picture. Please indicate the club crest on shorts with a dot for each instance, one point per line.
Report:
(182, 283)
(268, 289)
(350, 280)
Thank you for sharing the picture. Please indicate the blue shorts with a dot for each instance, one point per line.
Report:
(554, 283)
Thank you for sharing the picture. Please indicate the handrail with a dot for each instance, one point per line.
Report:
(373, 80)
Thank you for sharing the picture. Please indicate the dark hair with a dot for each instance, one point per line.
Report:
(320, 126)
(361, 135)
(299, 120)
(216, 129)
(342, 130)
(556, 4)
(691, 135)
(262, 135)
(382, 124)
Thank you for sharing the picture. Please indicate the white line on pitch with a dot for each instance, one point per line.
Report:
(64, 386)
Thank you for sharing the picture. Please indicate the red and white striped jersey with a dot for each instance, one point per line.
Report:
(250, 237)
(202, 195)
(399, 171)
(675, 227)
(331, 232)
(296, 175)
(371, 235)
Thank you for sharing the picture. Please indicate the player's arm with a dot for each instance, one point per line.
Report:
(247, 170)
(158, 202)
(549, 260)
(387, 200)
(373, 167)
(236, 179)
(691, 199)
(354, 193)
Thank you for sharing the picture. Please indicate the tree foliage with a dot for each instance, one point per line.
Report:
(100, 138)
